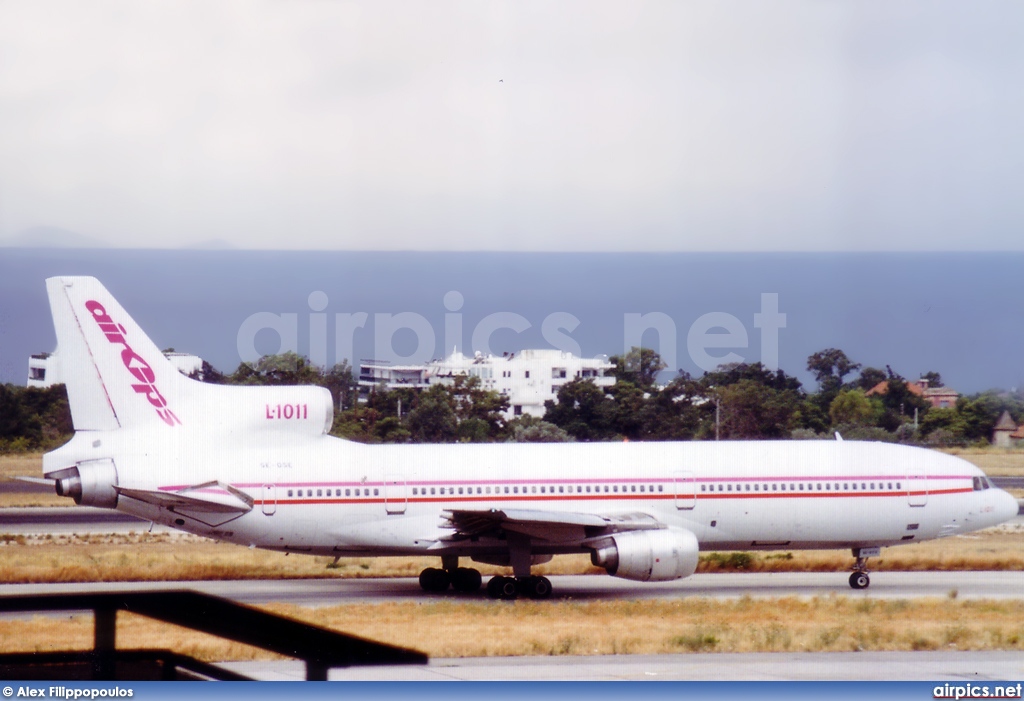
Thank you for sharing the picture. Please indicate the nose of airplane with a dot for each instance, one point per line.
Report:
(1006, 506)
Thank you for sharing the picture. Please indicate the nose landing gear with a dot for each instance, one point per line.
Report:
(859, 579)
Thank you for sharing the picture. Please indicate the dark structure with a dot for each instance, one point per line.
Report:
(318, 647)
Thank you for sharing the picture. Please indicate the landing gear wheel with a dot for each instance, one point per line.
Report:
(494, 587)
(466, 579)
(860, 580)
(503, 588)
(434, 580)
(536, 587)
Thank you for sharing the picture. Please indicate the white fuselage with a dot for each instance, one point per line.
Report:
(323, 495)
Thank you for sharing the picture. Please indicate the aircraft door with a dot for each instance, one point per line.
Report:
(269, 499)
(685, 490)
(395, 494)
(917, 488)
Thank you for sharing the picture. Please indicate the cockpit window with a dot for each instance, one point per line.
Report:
(977, 484)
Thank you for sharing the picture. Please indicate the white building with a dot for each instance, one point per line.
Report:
(527, 378)
(44, 368)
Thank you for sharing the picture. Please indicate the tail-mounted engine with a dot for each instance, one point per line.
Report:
(89, 483)
(648, 556)
(303, 409)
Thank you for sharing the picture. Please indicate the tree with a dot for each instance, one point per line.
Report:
(530, 429)
(433, 418)
(751, 410)
(342, 384)
(934, 379)
(870, 377)
(475, 404)
(287, 368)
(583, 411)
(830, 366)
(675, 412)
(639, 367)
(851, 407)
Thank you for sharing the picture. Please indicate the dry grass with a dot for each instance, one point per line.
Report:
(31, 465)
(453, 629)
(179, 557)
(996, 462)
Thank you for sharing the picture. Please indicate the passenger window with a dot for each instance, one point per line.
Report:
(309, 492)
(515, 489)
(898, 486)
(863, 486)
(376, 492)
(819, 486)
(890, 485)
(872, 486)
(534, 489)
(775, 487)
(289, 492)
(506, 490)
(661, 487)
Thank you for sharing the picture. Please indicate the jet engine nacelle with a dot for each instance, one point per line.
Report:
(89, 483)
(305, 410)
(649, 556)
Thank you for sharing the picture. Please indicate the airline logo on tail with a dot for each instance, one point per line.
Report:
(133, 362)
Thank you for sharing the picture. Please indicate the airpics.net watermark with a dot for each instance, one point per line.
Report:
(713, 339)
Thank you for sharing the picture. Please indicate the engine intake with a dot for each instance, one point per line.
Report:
(90, 483)
(649, 556)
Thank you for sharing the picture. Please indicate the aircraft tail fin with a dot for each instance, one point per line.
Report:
(116, 377)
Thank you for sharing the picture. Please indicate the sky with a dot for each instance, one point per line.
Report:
(818, 125)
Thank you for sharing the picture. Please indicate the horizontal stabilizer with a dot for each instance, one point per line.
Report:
(210, 497)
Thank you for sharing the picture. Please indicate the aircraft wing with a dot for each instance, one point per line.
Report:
(551, 526)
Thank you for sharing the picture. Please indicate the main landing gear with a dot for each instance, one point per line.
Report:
(464, 579)
(509, 588)
(859, 579)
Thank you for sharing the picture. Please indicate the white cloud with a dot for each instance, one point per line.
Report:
(638, 126)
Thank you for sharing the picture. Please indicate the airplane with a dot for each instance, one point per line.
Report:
(256, 466)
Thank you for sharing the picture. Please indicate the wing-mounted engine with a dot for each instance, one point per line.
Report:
(648, 556)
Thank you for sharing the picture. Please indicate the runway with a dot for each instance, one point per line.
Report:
(775, 666)
(331, 592)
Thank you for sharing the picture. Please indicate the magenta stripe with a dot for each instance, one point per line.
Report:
(631, 480)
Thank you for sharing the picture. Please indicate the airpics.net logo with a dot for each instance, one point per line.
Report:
(713, 339)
